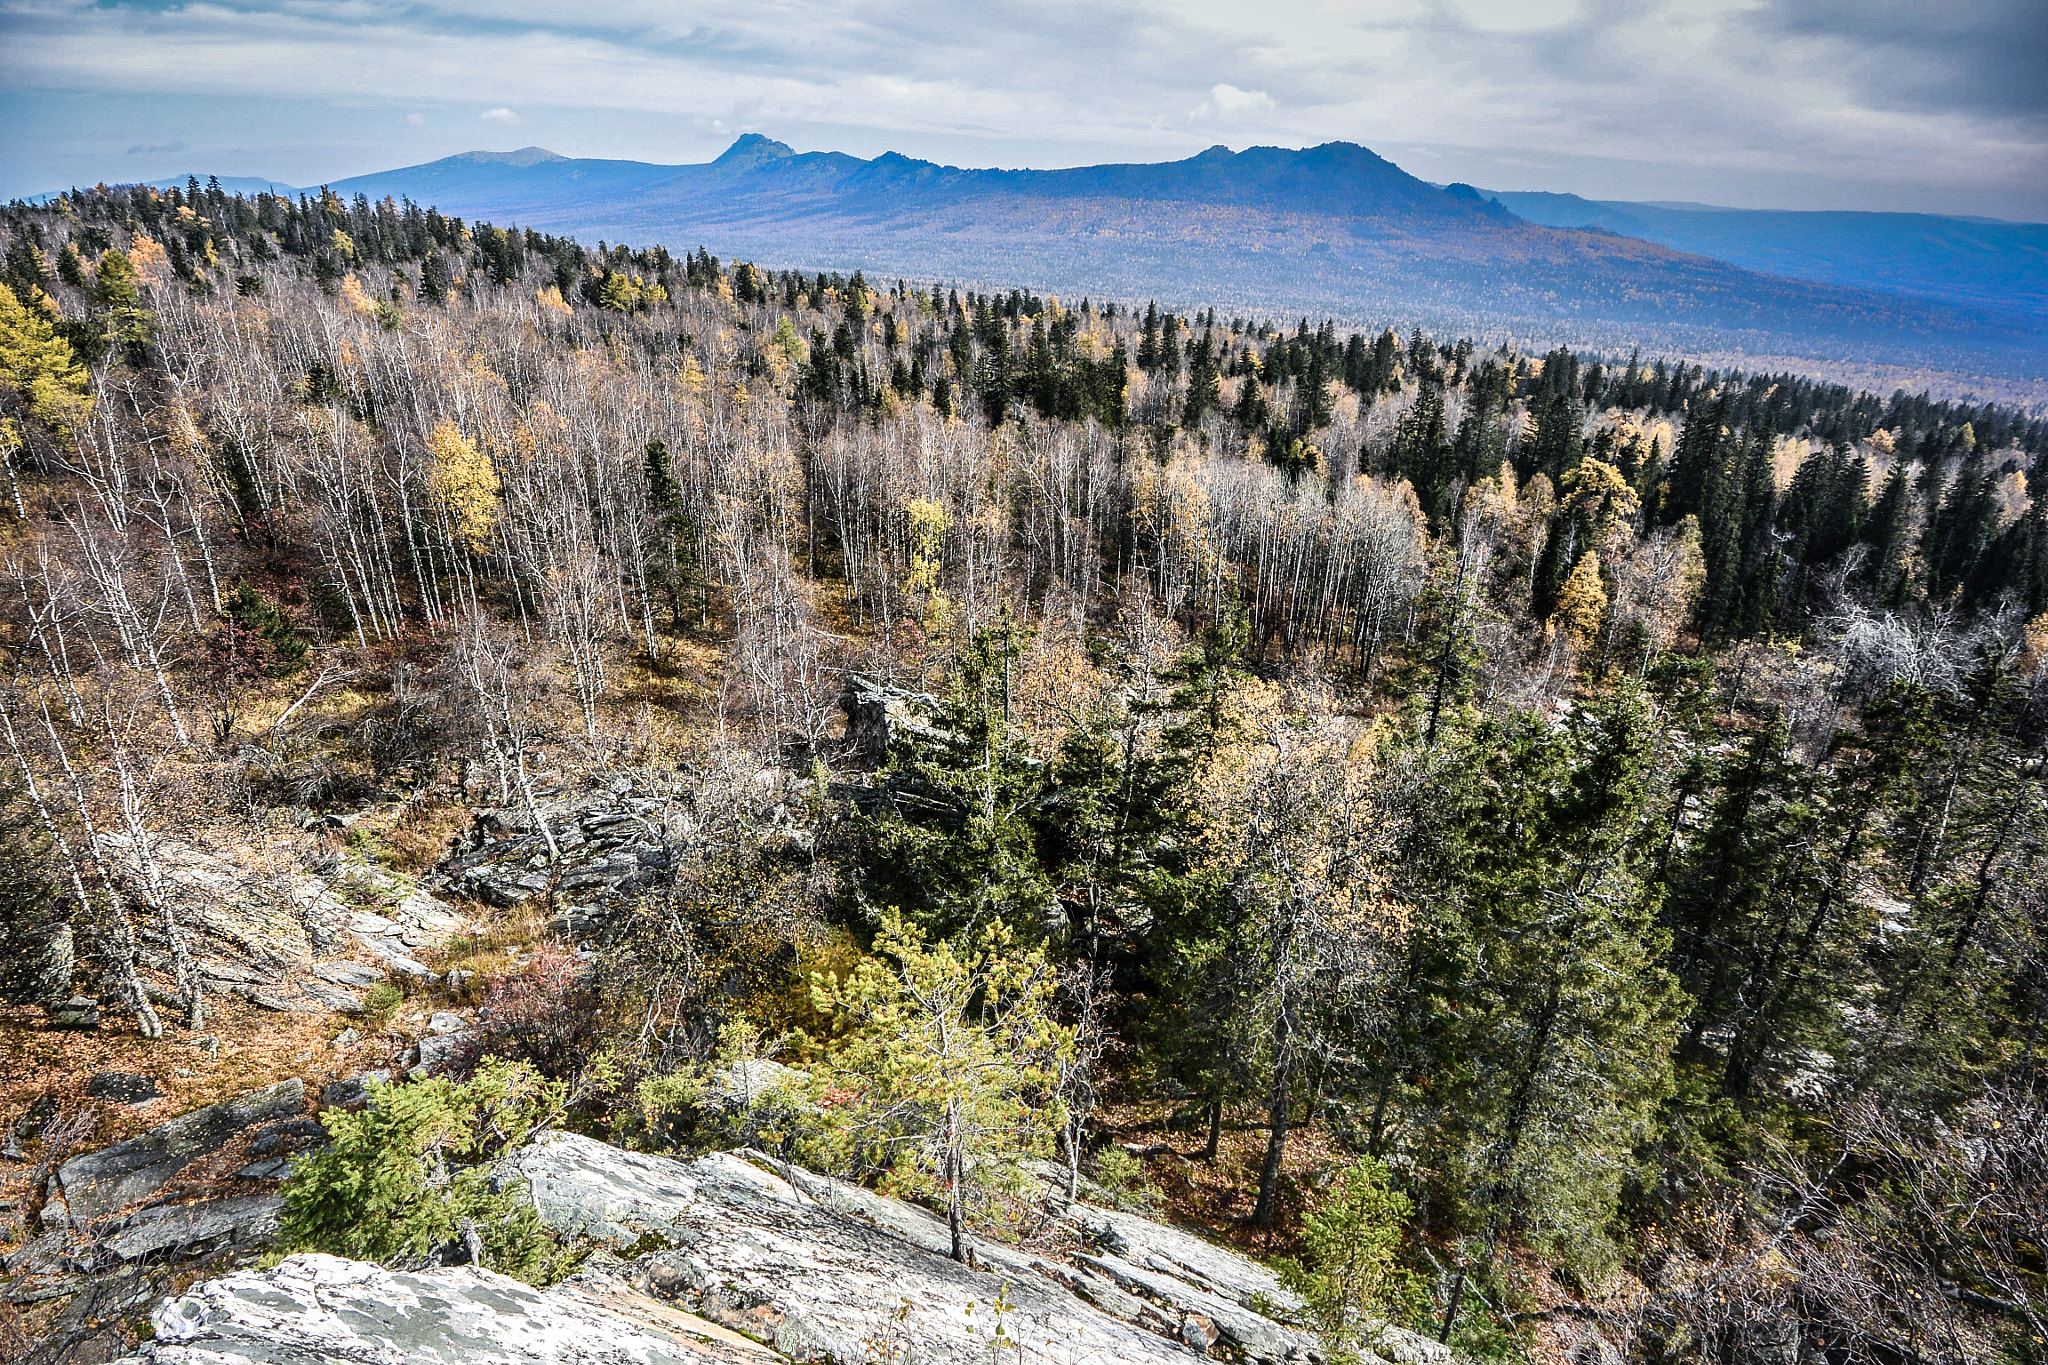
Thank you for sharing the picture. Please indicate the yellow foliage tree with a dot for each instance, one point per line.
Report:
(928, 521)
(352, 294)
(39, 370)
(463, 478)
(1582, 602)
(150, 261)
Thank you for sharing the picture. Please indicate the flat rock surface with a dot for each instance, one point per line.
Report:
(821, 1269)
(322, 1310)
(190, 1229)
(100, 1183)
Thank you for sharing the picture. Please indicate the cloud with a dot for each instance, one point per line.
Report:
(1854, 103)
(1228, 104)
(1980, 55)
(415, 120)
(156, 148)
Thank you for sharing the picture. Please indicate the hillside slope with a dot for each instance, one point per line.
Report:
(1962, 260)
(1332, 229)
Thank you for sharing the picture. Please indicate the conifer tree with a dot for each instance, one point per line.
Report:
(955, 844)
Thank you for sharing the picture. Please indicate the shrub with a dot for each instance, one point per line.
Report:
(379, 1003)
(1123, 1179)
(1350, 1275)
(417, 1178)
(945, 1067)
(546, 1015)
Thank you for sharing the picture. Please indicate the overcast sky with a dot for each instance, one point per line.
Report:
(1870, 104)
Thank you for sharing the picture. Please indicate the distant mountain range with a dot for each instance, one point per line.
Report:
(1333, 229)
(1962, 260)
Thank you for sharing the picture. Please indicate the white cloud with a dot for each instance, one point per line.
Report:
(415, 120)
(1228, 104)
(1744, 100)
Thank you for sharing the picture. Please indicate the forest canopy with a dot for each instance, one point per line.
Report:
(1562, 837)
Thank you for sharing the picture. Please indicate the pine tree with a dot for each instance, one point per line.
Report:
(1558, 410)
(1888, 532)
(1205, 387)
(1539, 1005)
(956, 842)
(1424, 456)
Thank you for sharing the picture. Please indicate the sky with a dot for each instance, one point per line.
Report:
(1933, 106)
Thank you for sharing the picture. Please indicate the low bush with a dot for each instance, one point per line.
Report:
(546, 1015)
(420, 1178)
(1123, 1179)
(379, 1003)
(1349, 1274)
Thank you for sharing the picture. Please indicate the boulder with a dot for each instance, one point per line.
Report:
(315, 1310)
(438, 1051)
(79, 1014)
(177, 1231)
(98, 1184)
(123, 1086)
(827, 1270)
(352, 1094)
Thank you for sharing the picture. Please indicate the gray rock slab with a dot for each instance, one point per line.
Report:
(335, 998)
(322, 1310)
(765, 1255)
(281, 1003)
(1164, 1249)
(181, 1230)
(392, 953)
(347, 974)
(99, 1183)
(1255, 1335)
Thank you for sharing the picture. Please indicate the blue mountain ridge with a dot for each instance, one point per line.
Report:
(1333, 229)
(1962, 260)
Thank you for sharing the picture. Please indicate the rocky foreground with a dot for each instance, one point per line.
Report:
(730, 1257)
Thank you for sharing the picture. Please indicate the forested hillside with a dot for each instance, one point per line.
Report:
(1553, 845)
(1330, 230)
(1964, 260)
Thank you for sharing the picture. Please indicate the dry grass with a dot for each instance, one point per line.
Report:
(415, 834)
(492, 947)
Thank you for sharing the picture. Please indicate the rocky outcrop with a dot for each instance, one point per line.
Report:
(90, 1188)
(314, 1310)
(263, 936)
(820, 1268)
(120, 1225)
(613, 841)
(733, 1257)
(878, 715)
